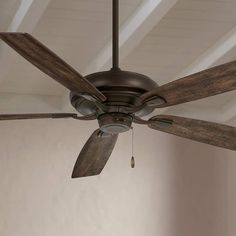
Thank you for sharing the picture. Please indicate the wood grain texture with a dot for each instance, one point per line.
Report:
(45, 116)
(95, 154)
(202, 131)
(210, 82)
(48, 62)
(37, 116)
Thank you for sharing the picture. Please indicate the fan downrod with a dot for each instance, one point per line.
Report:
(122, 89)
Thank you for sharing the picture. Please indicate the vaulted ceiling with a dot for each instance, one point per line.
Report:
(163, 39)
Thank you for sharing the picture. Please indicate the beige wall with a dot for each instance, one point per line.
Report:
(178, 188)
(231, 156)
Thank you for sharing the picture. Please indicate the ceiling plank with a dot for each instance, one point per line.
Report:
(132, 32)
(210, 58)
(212, 55)
(28, 15)
(26, 18)
(142, 21)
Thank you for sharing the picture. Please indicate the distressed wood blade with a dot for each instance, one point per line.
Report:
(37, 116)
(210, 82)
(95, 154)
(52, 65)
(202, 131)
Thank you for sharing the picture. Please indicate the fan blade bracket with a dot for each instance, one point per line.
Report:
(140, 121)
(155, 101)
(61, 115)
(154, 120)
(161, 121)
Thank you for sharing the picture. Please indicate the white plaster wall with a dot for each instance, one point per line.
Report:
(178, 188)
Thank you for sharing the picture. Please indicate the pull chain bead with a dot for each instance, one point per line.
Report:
(132, 161)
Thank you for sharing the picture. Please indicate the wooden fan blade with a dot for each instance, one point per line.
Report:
(46, 115)
(95, 154)
(210, 82)
(202, 131)
(37, 116)
(48, 62)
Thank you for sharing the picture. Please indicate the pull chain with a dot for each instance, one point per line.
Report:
(132, 162)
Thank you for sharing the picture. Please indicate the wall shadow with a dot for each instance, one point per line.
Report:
(199, 189)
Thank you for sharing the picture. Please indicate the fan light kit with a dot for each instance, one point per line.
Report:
(116, 98)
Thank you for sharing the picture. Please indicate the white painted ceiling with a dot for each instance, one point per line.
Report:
(191, 35)
(8, 9)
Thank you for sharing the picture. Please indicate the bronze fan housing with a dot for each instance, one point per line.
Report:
(123, 90)
(116, 98)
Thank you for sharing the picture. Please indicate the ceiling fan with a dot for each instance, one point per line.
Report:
(116, 98)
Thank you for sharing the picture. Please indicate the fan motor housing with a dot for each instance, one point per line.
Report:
(122, 89)
(114, 122)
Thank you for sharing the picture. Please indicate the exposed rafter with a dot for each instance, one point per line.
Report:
(148, 14)
(213, 54)
(28, 15)
(131, 33)
(209, 58)
(26, 18)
